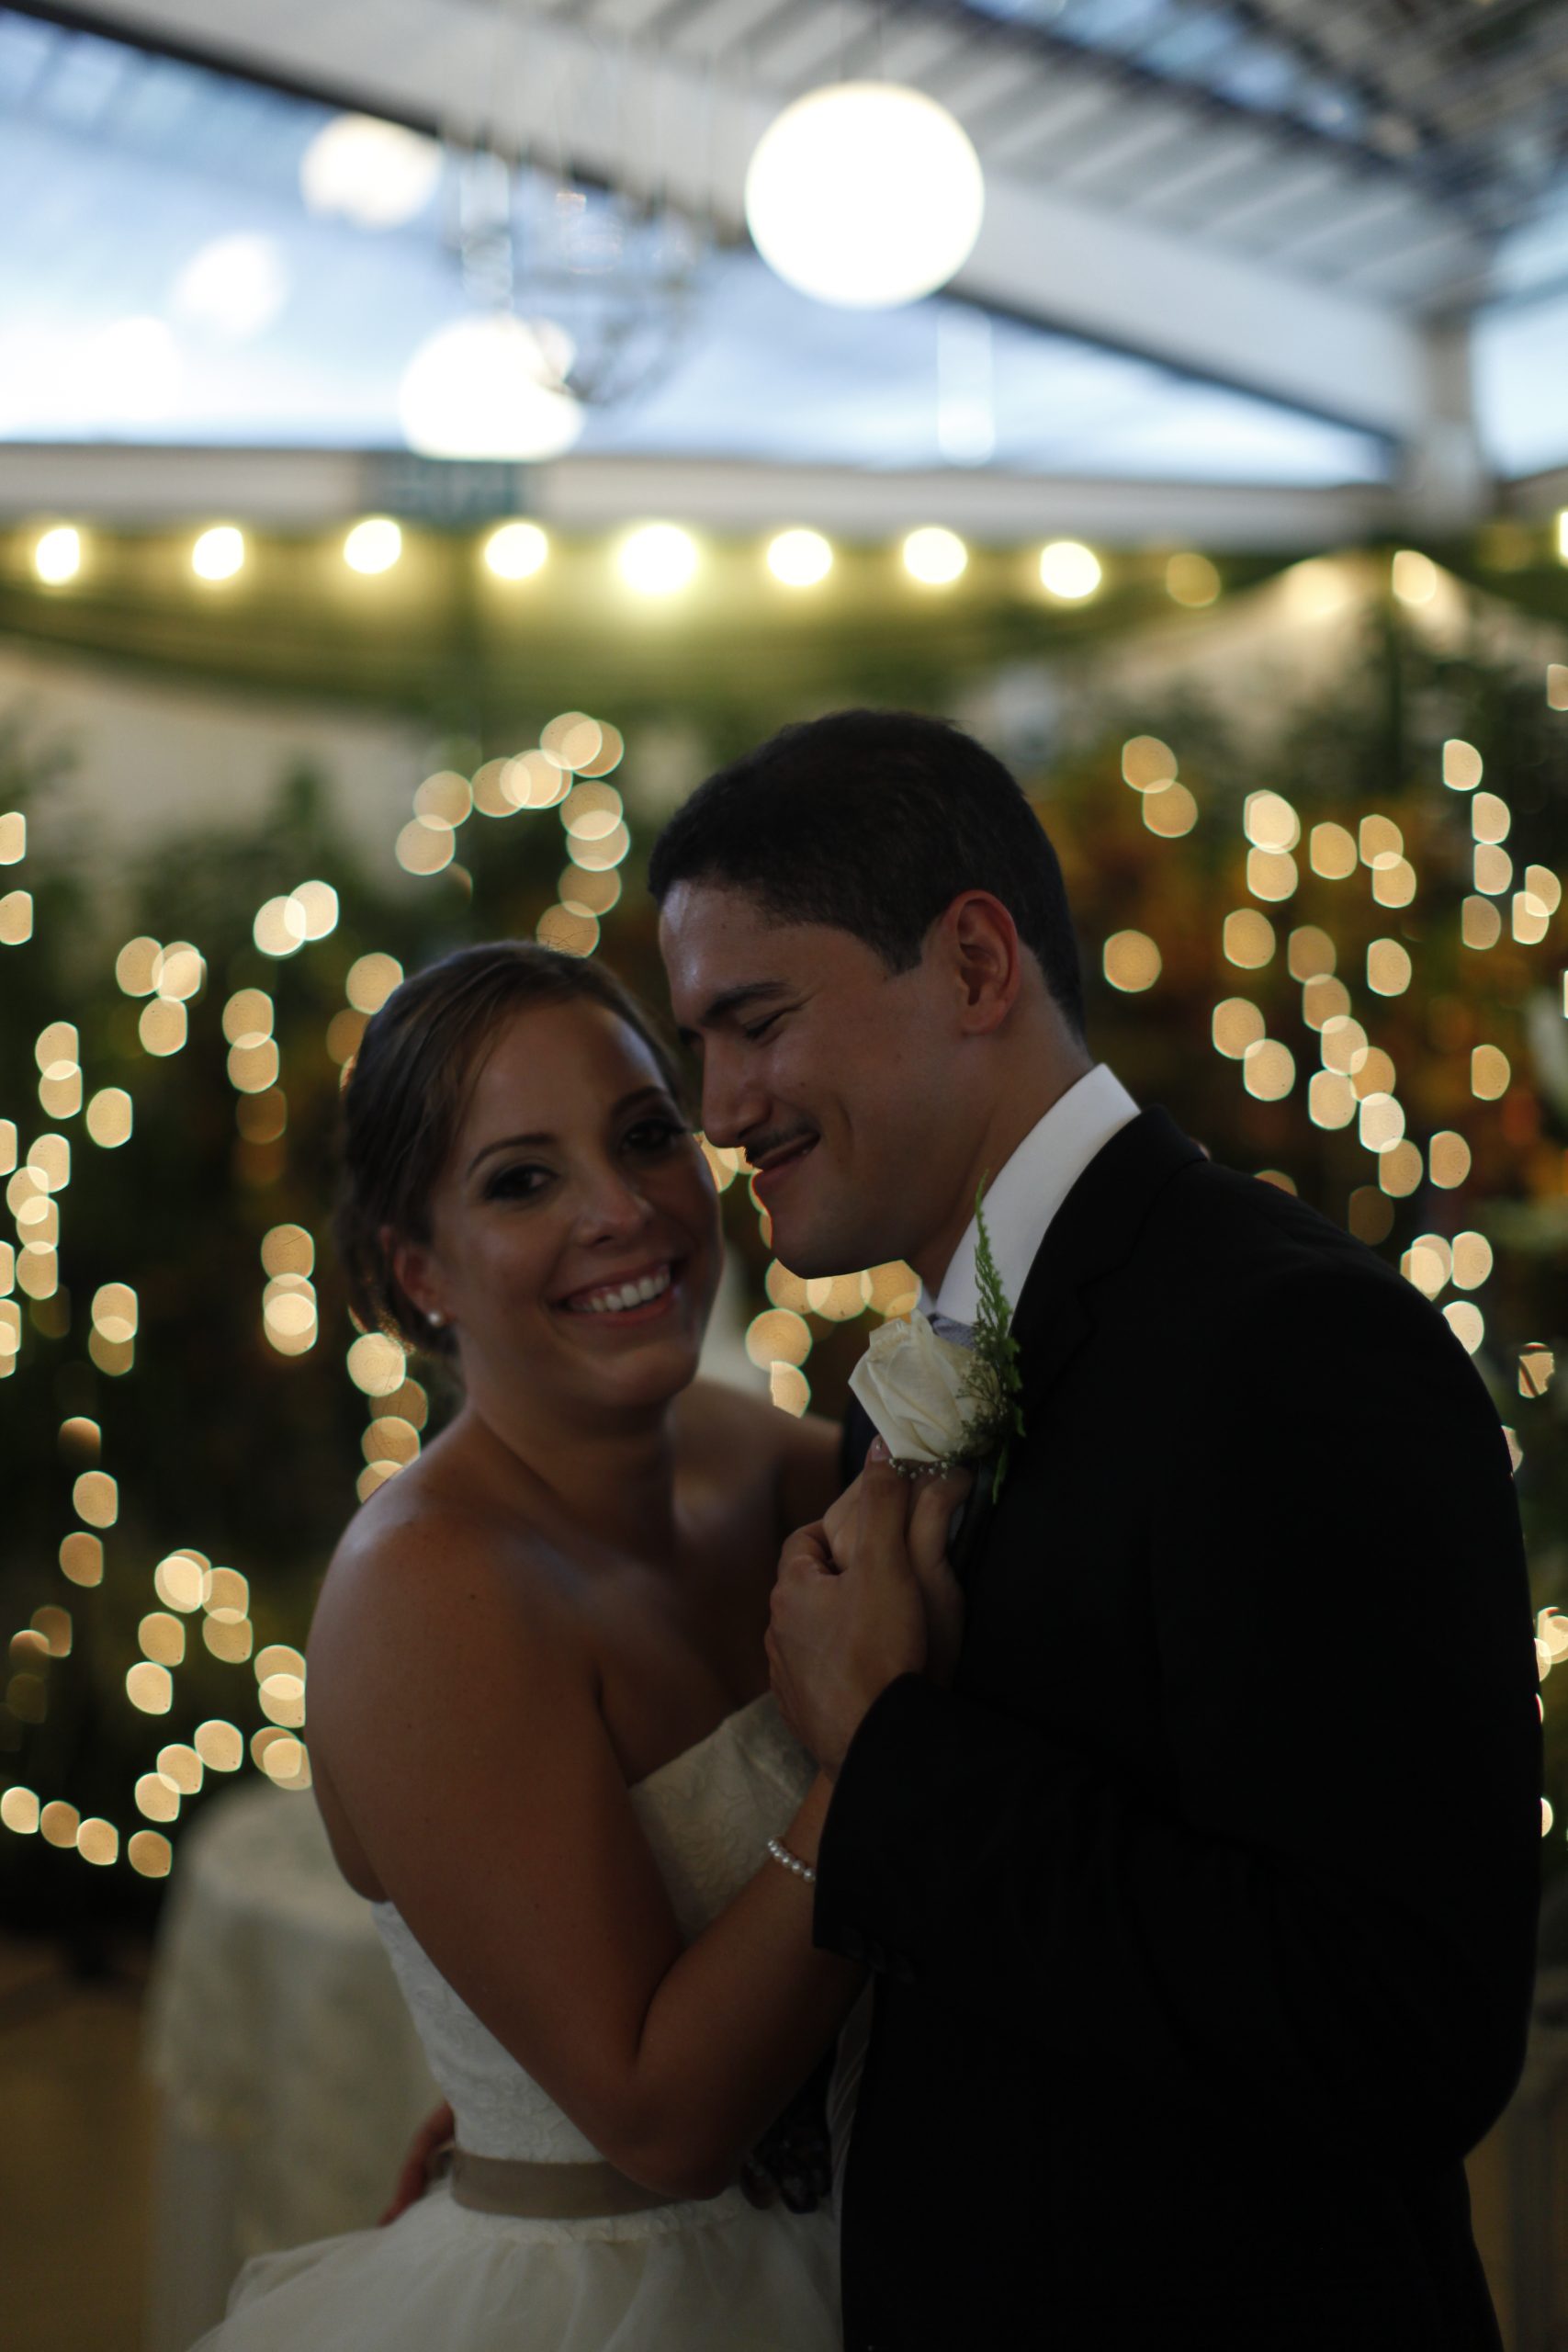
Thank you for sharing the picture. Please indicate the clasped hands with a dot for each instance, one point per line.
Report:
(863, 1596)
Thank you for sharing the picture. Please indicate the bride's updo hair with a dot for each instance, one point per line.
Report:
(410, 1086)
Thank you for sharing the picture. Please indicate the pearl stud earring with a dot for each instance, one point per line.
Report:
(436, 1320)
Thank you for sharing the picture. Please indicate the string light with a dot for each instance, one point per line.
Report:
(934, 557)
(516, 551)
(219, 554)
(1069, 571)
(373, 545)
(659, 559)
(57, 557)
(800, 558)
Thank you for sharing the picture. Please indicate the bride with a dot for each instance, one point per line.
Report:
(540, 1729)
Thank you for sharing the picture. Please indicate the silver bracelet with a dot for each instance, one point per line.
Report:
(792, 1862)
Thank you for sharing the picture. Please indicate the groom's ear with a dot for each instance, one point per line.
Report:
(978, 942)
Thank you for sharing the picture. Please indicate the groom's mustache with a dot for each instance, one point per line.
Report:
(762, 1147)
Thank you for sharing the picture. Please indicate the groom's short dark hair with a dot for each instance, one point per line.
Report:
(873, 821)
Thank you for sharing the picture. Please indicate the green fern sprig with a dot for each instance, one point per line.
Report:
(994, 1385)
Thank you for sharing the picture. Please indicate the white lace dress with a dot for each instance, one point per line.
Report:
(714, 2275)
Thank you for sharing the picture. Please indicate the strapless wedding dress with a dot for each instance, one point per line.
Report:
(714, 2275)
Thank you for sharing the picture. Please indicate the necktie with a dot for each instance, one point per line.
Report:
(947, 1328)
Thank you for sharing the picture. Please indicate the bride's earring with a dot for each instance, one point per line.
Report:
(436, 1320)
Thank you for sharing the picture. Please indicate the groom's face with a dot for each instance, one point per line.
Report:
(822, 1066)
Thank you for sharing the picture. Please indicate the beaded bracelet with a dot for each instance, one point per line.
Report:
(792, 1862)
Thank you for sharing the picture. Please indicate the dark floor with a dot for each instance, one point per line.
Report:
(77, 2127)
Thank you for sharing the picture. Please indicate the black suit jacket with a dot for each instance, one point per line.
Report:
(1203, 1904)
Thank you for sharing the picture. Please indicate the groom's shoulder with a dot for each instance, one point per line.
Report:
(1235, 1240)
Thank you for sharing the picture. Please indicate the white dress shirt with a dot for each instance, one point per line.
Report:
(1026, 1192)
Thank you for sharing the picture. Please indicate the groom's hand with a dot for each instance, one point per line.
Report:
(861, 1599)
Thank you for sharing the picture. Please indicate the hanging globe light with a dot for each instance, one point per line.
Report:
(375, 174)
(489, 387)
(864, 194)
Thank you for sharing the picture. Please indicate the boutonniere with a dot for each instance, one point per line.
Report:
(936, 1404)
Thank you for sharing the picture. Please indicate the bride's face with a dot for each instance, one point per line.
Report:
(574, 1230)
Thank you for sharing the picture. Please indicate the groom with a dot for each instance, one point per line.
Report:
(1200, 1895)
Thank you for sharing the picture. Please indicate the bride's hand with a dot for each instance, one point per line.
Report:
(434, 2134)
(933, 1502)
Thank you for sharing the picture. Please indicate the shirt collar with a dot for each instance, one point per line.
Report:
(1027, 1192)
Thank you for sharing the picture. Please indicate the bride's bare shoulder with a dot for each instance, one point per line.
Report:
(418, 1568)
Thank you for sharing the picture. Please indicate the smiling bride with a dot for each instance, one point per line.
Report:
(541, 1733)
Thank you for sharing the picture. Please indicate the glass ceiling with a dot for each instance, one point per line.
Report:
(162, 280)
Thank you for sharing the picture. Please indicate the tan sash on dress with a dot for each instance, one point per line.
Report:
(545, 2192)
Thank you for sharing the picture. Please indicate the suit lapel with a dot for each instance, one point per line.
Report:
(1093, 1233)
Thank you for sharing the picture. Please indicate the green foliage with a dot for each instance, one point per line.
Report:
(994, 1383)
(220, 1443)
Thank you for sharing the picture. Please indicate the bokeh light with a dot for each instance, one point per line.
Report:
(219, 554)
(374, 545)
(516, 551)
(934, 557)
(659, 559)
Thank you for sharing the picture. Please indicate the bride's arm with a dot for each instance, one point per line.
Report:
(460, 1729)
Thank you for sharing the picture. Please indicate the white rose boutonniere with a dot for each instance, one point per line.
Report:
(914, 1386)
(934, 1403)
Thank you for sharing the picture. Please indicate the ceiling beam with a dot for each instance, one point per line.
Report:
(316, 489)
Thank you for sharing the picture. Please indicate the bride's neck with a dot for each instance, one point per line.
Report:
(613, 1479)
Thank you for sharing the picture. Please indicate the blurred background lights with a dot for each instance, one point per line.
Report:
(1131, 961)
(1270, 822)
(657, 560)
(233, 286)
(425, 846)
(1466, 1322)
(57, 557)
(219, 554)
(864, 194)
(1147, 765)
(374, 545)
(934, 556)
(572, 740)
(1268, 1070)
(317, 905)
(1462, 765)
(1448, 1158)
(1069, 571)
(800, 558)
(371, 979)
(376, 1364)
(1249, 939)
(446, 797)
(373, 172)
(279, 927)
(1413, 577)
(1332, 853)
(1191, 580)
(487, 387)
(1170, 812)
(516, 551)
